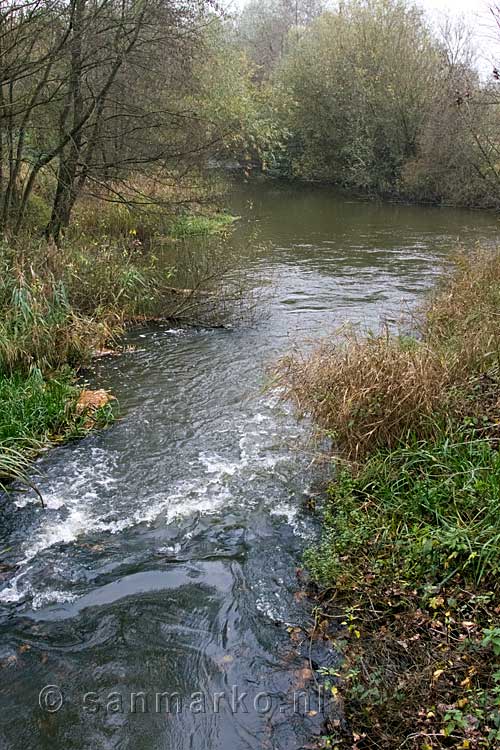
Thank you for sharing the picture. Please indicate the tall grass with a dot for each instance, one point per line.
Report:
(34, 412)
(410, 547)
(371, 392)
(415, 516)
(39, 327)
(14, 465)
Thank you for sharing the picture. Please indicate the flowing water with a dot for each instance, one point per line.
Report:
(165, 558)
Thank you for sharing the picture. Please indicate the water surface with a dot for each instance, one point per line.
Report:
(165, 559)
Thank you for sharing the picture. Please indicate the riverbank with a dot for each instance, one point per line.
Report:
(61, 305)
(406, 575)
(39, 411)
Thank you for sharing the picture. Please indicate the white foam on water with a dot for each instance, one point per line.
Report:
(173, 549)
(290, 512)
(215, 465)
(52, 596)
(75, 506)
(271, 604)
(67, 530)
(13, 593)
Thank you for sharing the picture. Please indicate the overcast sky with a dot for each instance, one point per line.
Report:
(478, 15)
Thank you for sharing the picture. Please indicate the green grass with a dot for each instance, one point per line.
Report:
(14, 465)
(199, 225)
(37, 412)
(417, 516)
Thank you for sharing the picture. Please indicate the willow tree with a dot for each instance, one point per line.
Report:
(359, 83)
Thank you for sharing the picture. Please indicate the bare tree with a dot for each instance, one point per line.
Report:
(91, 91)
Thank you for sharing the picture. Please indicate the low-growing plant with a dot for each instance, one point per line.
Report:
(416, 516)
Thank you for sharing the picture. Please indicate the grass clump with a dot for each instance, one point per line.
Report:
(199, 225)
(36, 412)
(420, 514)
(409, 558)
(371, 392)
(380, 390)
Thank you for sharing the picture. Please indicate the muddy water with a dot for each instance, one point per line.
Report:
(165, 559)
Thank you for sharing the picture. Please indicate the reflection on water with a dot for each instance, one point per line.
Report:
(165, 558)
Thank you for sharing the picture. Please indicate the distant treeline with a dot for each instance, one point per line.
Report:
(370, 96)
(129, 102)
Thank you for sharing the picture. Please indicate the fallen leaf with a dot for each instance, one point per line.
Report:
(437, 674)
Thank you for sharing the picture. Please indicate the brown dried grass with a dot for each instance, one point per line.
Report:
(369, 392)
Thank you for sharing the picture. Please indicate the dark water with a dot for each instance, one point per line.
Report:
(165, 558)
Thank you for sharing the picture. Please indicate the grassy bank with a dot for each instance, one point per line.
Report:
(409, 560)
(59, 305)
(37, 412)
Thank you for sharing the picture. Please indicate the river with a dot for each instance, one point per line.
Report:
(165, 559)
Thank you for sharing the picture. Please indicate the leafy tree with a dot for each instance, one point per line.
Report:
(360, 82)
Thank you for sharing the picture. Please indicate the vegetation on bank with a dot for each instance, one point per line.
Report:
(59, 305)
(409, 560)
(368, 94)
(37, 412)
